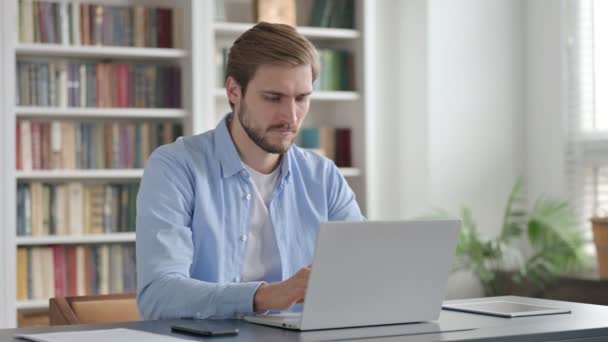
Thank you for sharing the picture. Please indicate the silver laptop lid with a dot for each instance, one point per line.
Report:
(371, 273)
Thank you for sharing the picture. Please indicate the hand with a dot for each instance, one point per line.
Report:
(282, 295)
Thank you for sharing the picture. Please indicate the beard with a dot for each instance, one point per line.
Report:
(259, 135)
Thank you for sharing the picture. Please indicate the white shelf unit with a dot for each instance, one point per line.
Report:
(235, 29)
(201, 101)
(350, 171)
(220, 93)
(32, 304)
(57, 50)
(11, 51)
(75, 239)
(97, 113)
(122, 174)
(118, 174)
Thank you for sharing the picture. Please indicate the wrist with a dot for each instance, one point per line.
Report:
(259, 298)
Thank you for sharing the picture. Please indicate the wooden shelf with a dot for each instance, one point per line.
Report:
(226, 28)
(79, 239)
(316, 95)
(100, 113)
(80, 174)
(58, 50)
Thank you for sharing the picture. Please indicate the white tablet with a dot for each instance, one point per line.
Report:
(506, 309)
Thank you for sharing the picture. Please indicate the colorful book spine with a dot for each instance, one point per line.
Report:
(333, 143)
(75, 208)
(98, 24)
(55, 271)
(68, 145)
(102, 84)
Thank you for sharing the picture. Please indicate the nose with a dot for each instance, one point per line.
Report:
(288, 110)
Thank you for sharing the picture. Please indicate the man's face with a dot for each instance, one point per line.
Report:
(274, 106)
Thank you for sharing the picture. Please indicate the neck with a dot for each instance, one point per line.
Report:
(250, 153)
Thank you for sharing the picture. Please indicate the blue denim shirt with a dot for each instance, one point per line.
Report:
(193, 216)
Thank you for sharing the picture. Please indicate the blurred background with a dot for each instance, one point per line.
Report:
(492, 111)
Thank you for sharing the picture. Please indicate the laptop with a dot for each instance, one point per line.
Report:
(374, 273)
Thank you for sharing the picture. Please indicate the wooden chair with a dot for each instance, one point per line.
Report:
(93, 309)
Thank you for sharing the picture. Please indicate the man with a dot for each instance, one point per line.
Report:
(227, 220)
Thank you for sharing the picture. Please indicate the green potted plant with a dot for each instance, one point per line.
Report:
(550, 228)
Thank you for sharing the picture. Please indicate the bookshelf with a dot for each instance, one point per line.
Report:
(203, 104)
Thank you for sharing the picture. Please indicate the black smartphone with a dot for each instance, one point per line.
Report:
(192, 330)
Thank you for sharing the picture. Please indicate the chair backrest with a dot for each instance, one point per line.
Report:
(93, 309)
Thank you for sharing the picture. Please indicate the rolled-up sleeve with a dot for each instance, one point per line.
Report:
(164, 247)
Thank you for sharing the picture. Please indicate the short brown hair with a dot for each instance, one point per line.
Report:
(267, 43)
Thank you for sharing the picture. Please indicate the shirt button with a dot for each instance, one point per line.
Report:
(243, 238)
(248, 197)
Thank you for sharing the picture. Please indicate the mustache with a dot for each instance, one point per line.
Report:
(283, 126)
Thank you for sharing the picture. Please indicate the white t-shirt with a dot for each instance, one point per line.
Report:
(262, 260)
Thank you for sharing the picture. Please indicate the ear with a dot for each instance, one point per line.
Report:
(233, 90)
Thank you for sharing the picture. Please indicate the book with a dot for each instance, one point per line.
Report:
(103, 269)
(332, 13)
(18, 155)
(81, 283)
(337, 67)
(62, 210)
(22, 273)
(27, 147)
(343, 147)
(76, 201)
(71, 275)
(37, 267)
(61, 269)
(276, 11)
(116, 280)
(48, 272)
(36, 210)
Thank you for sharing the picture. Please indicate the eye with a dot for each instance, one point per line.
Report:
(302, 98)
(273, 98)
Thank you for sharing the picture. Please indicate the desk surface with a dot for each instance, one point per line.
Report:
(587, 323)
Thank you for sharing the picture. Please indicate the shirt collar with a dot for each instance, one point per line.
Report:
(229, 158)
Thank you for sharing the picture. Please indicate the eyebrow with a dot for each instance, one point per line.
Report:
(278, 93)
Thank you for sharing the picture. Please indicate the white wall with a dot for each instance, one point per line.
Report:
(545, 119)
(398, 157)
(3, 176)
(452, 121)
(476, 109)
